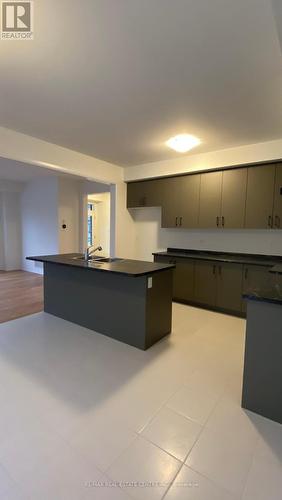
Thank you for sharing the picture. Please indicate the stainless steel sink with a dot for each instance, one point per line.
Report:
(107, 259)
(96, 259)
(81, 257)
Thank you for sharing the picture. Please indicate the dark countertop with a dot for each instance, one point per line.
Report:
(133, 268)
(240, 258)
(276, 269)
(271, 295)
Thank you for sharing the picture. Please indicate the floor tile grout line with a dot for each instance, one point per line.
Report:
(162, 449)
(156, 446)
(212, 481)
(172, 482)
(196, 441)
(164, 404)
(12, 479)
(120, 454)
(249, 468)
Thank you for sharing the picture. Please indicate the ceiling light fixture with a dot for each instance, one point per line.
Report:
(183, 142)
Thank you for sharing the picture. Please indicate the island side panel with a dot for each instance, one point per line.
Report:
(262, 382)
(158, 306)
(108, 303)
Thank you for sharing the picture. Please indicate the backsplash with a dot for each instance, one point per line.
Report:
(150, 237)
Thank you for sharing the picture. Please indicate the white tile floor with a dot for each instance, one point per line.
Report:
(84, 417)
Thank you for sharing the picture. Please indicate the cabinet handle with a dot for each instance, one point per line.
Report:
(217, 221)
(270, 221)
(176, 221)
(222, 221)
(246, 273)
(180, 221)
(277, 221)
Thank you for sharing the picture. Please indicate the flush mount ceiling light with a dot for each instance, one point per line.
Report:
(183, 142)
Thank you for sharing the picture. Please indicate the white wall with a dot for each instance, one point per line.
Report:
(2, 259)
(69, 204)
(39, 215)
(124, 225)
(11, 240)
(10, 227)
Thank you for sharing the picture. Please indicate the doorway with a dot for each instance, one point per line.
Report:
(99, 221)
(99, 217)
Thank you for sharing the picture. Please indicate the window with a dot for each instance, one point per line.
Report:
(90, 239)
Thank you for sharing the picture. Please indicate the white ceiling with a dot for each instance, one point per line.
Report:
(116, 78)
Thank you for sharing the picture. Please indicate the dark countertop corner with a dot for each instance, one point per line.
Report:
(276, 269)
(239, 258)
(272, 295)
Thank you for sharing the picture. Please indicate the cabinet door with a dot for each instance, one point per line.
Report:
(234, 189)
(183, 281)
(181, 201)
(189, 201)
(136, 194)
(144, 194)
(255, 278)
(229, 286)
(210, 200)
(171, 213)
(205, 282)
(260, 192)
(277, 207)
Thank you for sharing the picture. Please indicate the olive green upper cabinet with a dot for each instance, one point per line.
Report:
(144, 193)
(234, 188)
(181, 201)
(277, 205)
(210, 200)
(259, 201)
(172, 187)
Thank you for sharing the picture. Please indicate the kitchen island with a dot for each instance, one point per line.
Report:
(127, 300)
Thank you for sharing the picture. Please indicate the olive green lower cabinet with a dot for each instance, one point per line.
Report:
(183, 278)
(219, 285)
(229, 287)
(183, 281)
(207, 283)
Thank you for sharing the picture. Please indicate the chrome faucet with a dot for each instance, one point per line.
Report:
(90, 250)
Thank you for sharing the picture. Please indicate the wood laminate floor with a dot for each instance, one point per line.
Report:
(21, 294)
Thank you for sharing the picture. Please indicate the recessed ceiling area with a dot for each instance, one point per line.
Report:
(115, 79)
(17, 171)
